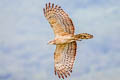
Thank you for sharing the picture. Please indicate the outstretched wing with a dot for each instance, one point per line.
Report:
(64, 57)
(58, 19)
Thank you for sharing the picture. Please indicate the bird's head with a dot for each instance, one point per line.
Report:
(52, 42)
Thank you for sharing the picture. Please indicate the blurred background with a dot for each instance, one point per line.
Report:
(24, 33)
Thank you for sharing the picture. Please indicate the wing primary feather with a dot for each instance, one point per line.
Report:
(44, 10)
(71, 71)
(52, 5)
(64, 73)
(55, 71)
(59, 7)
(46, 6)
(56, 6)
(61, 74)
(58, 74)
(68, 73)
(49, 5)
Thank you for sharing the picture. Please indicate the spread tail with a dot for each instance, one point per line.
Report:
(83, 36)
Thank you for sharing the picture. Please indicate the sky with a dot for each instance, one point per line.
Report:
(24, 34)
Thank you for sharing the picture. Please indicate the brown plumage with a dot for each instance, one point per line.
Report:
(65, 40)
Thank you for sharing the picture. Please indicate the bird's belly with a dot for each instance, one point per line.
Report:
(63, 41)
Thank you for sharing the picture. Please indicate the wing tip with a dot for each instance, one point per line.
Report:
(62, 74)
(46, 5)
(52, 5)
(49, 4)
(44, 10)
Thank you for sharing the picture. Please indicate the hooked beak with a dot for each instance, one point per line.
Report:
(51, 42)
(48, 43)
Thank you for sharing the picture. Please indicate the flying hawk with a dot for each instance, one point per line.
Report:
(65, 40)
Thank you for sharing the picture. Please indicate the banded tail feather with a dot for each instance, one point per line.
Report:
(83, 36)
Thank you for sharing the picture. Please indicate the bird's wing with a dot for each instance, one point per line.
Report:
(64, 57)
(58, 19)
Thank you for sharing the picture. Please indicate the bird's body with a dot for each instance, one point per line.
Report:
(68, 38)
(65, 39)
(62, 39)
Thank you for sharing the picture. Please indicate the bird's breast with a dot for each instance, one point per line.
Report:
(63, 39)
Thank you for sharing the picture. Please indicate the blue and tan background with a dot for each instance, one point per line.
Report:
(24, 33)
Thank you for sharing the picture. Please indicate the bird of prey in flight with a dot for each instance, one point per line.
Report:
(65, 39)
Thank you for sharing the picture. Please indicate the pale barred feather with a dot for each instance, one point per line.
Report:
(62, 19)
(64, 65)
